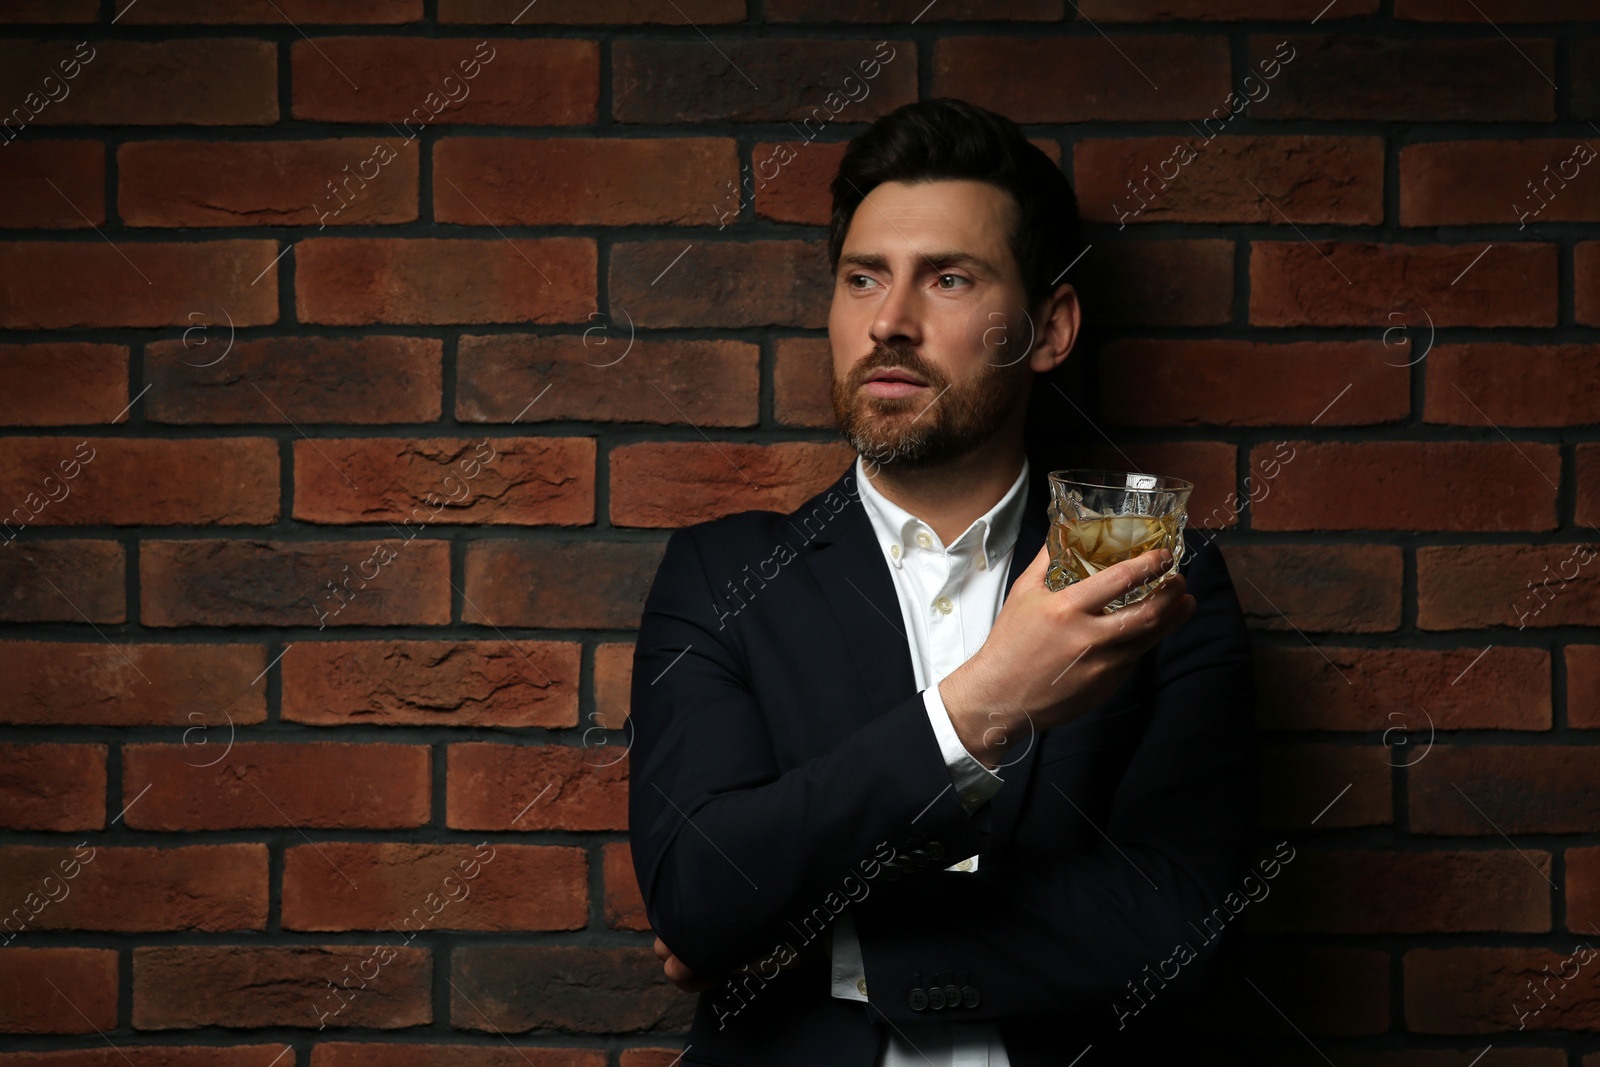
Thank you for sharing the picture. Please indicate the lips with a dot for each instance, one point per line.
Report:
(893, 375)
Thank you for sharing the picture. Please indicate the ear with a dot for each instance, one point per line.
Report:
(1058, 325)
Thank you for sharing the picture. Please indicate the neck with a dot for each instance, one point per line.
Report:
(952, 495)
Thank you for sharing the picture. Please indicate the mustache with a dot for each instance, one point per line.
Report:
(896, 359)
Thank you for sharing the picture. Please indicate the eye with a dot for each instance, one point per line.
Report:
(957, 277)
(850, 280)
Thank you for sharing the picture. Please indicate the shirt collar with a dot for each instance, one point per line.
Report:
(995, 531)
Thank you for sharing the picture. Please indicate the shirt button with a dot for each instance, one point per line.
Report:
(861, 986)
(923, 539)
(983, 564)
(943, 604)
(965, 865)
(894, 550)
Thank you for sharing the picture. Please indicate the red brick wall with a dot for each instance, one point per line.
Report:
(255, 331)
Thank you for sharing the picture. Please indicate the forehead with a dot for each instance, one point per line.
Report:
(902, 219)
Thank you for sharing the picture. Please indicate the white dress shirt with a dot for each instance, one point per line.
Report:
(949, 597)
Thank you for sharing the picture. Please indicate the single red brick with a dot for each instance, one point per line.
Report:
(157, 1056)
(613, 685)
(276, 12)
(1451, 183)
(199, 887)
(1585, 67)
(802, 382)
(1403, 689)
(1465, 587)
(1401, 79)
(1503, 789)
(315, 784)
(1588, 511)
(1370, 892)
(334, 182)
(1410, 485)
(1351, 588)
(583, 585)
(1152, 382)
(1163, 283)
(52, 285)
(790, 181)
(195, 81)
(1083, 79)
(58, 990)
(896, 11)
(626, 12)
(1491, 384)
(392, 1054)
(805, 80)
(358, 281)
(183, 987)
(1583, 889)
(548, 82)
(1493, 10)
(607, 375)
(532, 481)
(51, 11)
(97, 683)
(1217, 10)
(209, 378)
(61, 581)
(1326, 786)
(673, 483)
(435, 683)
(502, 787)
(1490, 990)
(565, 988)
(225, 481)
(63, 383)
(624, 904)
(1583, 686)
(76, 169)
(412, 888)
(581, 180)
(1586, 282)
(723, 284)
(1331, 283)
(1207, 178)
(650, 1057)
(52, 787)
(275, 583)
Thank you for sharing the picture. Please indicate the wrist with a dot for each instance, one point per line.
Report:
(984, 732)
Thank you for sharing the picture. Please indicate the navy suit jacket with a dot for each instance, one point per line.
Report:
(783, 767)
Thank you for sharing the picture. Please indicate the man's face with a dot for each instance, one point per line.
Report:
(927, 287)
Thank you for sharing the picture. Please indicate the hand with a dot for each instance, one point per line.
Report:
(1054, 654)
(691, 982)
(678, 974)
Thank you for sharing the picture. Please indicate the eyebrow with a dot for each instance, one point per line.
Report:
(950, 257)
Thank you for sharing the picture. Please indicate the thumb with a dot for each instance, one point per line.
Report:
(1034, 574)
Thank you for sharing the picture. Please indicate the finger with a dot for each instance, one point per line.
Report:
(662, 952)
(1034, 575)
(1098, 590)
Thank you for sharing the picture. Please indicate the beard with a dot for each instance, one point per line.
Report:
(919, 431)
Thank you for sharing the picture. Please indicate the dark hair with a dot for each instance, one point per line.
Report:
(946, 138)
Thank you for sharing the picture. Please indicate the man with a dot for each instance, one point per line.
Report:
(892, 800)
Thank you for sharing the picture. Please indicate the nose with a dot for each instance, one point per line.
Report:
(898, 319)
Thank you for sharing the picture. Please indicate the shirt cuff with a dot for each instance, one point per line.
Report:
(974, 782)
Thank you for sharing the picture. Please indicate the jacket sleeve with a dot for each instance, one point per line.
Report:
(732, 855)
(1042, 937)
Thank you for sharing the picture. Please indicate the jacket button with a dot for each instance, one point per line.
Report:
(952, 995)
(935, 998)
(919, 1000)
(969, 996)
